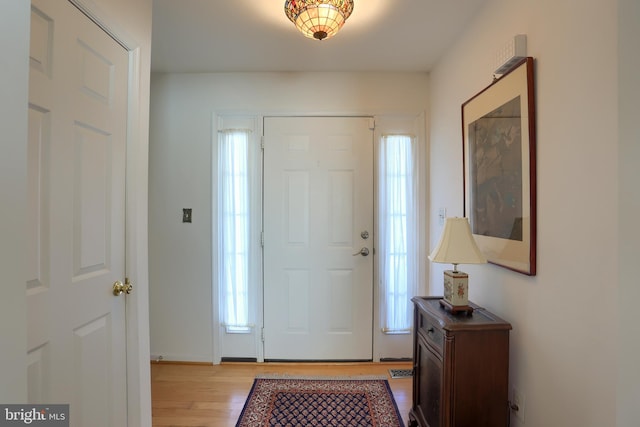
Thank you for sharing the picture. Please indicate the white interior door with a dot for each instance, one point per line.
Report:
(318, 204)
(76, 154)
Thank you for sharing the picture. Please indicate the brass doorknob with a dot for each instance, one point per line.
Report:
(119, 288)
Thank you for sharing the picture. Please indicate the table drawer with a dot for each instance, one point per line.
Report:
(430, 329)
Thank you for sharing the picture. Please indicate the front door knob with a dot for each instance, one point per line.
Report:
(363, 252)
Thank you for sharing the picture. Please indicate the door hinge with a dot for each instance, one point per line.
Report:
(262, 142)
(262, 239)
(262, 334)
(372, 124)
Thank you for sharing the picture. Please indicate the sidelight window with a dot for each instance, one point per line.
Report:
(234, 228)
(398, 234)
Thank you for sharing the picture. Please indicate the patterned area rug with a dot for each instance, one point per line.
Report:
(340, 402)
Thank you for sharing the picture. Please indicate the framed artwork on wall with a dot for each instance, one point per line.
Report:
(499, 162)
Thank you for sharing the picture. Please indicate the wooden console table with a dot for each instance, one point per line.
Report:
(461, 367)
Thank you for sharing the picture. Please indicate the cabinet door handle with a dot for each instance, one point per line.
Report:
(430, 330)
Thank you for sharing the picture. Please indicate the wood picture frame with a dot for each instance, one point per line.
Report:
(499, 164)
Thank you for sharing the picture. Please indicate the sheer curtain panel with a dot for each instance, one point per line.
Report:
(234, 229)
(397, 234)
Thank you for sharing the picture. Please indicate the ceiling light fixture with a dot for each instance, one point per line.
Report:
(318, 19)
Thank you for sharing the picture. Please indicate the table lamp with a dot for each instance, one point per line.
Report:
(457, 246)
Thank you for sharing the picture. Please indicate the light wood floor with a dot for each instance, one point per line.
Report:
(214, 395)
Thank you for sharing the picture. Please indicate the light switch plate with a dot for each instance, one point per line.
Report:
(442, 215)
(186, 215)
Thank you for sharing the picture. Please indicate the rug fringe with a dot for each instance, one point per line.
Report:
(319, 377)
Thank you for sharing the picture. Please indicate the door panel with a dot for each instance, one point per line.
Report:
(77, 137)
(318, 198)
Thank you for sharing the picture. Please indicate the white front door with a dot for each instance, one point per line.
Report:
(76, 175)
(318, 215)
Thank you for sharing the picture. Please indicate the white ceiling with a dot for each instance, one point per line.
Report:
(255, 35)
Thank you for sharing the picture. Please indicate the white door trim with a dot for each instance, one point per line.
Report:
(14, 44)
(136, 265)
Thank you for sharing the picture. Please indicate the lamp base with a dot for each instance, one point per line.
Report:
(456, 288)
(455, 309)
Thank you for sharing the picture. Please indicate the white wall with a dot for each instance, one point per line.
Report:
(564, 338)
(180, 175)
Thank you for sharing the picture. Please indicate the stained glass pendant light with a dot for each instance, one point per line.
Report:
(318, 19)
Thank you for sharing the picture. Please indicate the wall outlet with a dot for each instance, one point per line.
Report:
(518, 404)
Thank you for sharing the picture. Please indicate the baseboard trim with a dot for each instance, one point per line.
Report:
(178, 362)
(318, 360)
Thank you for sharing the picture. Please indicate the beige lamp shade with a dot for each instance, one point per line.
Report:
(457, 245)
